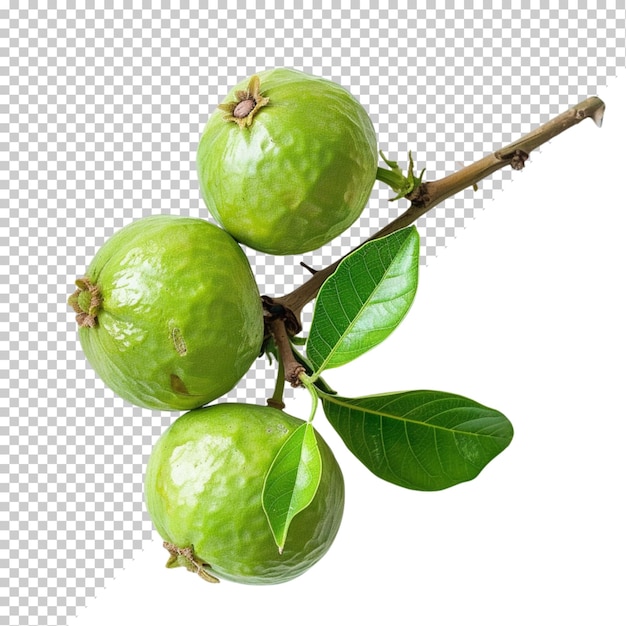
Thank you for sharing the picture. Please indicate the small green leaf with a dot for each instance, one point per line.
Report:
(364, 300)
(292, 481)
(426, 440)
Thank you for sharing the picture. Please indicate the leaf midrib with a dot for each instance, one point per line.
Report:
(382, 414)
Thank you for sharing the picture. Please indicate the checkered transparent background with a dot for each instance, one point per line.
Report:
(101, 111)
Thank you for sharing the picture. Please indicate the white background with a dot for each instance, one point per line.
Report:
(522, 311)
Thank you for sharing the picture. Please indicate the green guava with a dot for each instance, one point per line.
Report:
(287, 162)
(169, 313)
(203, 491)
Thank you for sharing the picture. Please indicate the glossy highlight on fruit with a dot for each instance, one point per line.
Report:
(169, 313)
(203, 488)
(287, 162)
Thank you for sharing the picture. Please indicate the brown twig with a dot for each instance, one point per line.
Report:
(430, 194)
(292, 369)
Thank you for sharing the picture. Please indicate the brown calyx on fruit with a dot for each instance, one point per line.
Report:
(86, 302)
(247, 104)
(186, 557)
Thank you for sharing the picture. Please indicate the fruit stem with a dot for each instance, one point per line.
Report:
(281, 325)
(401, 184)
(291, 367)
(276, 400)
(427, 195)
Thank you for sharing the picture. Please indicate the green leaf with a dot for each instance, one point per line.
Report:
(364, 300)
(424, 440)
(292, 481)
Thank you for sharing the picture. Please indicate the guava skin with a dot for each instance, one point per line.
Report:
(203, 487)
(299, 175)
(180, 320)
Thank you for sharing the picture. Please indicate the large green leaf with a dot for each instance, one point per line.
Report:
(364, 300)
(425, 440)
(292, 481)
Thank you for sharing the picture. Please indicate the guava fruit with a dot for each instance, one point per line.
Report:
(169, 313)
(203, 490)
(287, 162)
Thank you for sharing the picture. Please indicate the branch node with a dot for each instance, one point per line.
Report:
(273, 310)
(516, 159)
(292, 375)
(420, 197)
(519, 159)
